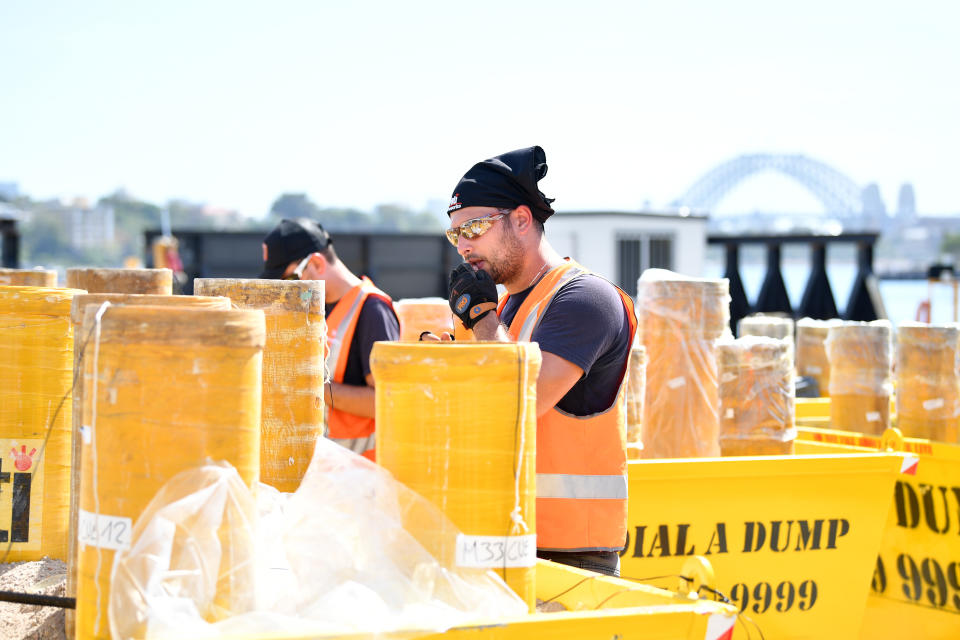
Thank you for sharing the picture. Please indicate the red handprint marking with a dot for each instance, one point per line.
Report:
(21, 459)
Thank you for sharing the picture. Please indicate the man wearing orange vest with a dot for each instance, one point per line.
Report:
(358, 314)
(585, 327)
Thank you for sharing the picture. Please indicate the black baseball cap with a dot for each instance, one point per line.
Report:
(291, 240)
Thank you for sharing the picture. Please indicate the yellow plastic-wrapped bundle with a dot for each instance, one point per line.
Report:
(460, 331)
(166, 389)
(812, 359)
(769, 326)
(36, 373)
(293, 369)
(457, 424)
(81, 336)
(860, 358)
(28, 277)
(928, 381)
(153, 281)
(756, 396)
(417, 315)
(680, 319)
(636, 381)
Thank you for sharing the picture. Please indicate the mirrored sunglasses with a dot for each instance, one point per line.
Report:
(474, 228)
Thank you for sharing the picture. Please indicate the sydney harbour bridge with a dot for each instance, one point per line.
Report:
(842, 198)
(856, 208)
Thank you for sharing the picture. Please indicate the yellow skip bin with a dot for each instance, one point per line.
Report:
(588, 606)
(916, 577)
(813, 411)
(793, 539)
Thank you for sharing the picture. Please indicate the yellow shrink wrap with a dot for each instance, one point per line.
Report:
(928, 381)
(36, 358)
(756, 396)
(457, 424)
(293, 369)
(812, 359)
(28, 277)
(80, 337)
(154, 281)
(680, 319)
(636, 381)
(417, 315)
(460, 332)
(769, 326)
(860, 356)
(166, 389)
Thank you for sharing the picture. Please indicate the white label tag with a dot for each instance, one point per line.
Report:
(677, 382)
(729, 414)
(873, 416)
(812, 370)
(935, 403)
(106, 532)
(495, 552)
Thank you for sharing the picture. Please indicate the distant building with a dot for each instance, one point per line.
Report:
(91, 227)
(620, 245)
(906, 204)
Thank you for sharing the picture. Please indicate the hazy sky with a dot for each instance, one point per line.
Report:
(357, 103)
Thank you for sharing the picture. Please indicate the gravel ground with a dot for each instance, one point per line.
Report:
(29, 622)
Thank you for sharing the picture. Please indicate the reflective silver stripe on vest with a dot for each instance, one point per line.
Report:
(533, 318)
(341, 329)
(567, 485)
(358, 445)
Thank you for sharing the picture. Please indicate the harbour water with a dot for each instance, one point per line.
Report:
(901, 298)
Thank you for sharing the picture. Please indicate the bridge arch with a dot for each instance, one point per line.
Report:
(838, 193)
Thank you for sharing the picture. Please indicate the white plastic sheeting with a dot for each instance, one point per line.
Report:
(210, 559)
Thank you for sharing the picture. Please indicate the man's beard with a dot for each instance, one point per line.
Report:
(509, 263)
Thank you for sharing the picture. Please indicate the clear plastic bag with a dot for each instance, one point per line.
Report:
(211, 560)
(812, 351)
(756, 396)
(861, 359)
(769, 326)
(928, 381)
(636, 382)
(680, 319)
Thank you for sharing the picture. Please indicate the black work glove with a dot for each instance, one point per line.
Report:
(472, 294)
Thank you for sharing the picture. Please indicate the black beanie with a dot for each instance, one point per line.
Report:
(505, 181)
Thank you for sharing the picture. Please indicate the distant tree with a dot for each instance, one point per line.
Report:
(390, 216)
(46, 242)
(344, 219)
(399, 217)
(387, 216)
(294, 205)
(426, 222)
(951, 245)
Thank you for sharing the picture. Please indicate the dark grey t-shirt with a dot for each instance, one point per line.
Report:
(586, 324)
(377, 321)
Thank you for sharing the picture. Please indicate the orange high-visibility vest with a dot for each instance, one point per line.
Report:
(347, 429)
(581, 460)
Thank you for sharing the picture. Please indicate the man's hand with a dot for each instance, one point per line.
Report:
(472, 294)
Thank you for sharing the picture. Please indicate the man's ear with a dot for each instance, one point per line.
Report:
(319, 262)
(522, 219)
